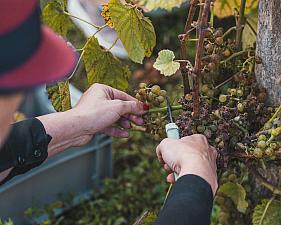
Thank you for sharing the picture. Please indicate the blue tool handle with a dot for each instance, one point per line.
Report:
(172, 131)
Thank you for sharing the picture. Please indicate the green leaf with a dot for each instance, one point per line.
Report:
(102, 67)
(135, 31)
(59, 96)
(165, 63)
(267, 213)
(237, 193)
(151, 5)
(54, 17)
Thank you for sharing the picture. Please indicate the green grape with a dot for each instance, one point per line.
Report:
(142, 91)
(205, 88)
(262, 137)
(150, 96)
(273, 145)
(268, 125)
(160, 99)
(261, 144)
(240, 93)
(233, 92)
(269, 152)
(163, 93)
(210, 93)
(142, 85)
(200, 128)
(240, 107)
(138, 97)
(258, 153)
(155, 89)
(223, 98)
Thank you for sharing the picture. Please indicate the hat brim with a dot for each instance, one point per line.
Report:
(52, 61)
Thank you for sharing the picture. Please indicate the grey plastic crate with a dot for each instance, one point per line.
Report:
(78, 170)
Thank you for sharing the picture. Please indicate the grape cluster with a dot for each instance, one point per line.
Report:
(154, 97)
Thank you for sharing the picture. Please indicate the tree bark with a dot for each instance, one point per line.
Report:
(268, 72)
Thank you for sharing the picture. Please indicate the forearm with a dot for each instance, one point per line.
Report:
(65, 130)
(190, 202)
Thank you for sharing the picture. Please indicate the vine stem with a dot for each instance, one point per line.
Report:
(201, 29)
(229, 31)
(76, 66)
(233, 56)
(164, 109)
(85, 21)
(240, 24)
(266, 208)
(114, 43)
(183, 39)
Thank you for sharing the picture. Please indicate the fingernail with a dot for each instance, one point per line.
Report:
(145, 107)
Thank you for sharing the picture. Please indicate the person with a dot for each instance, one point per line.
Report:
(31, 55)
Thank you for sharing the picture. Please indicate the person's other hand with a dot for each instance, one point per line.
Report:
(105, 109)
(189, 155)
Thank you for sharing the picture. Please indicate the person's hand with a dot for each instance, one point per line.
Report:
(105, 109)
(189, 155)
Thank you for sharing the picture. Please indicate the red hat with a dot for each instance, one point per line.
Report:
(30, 53)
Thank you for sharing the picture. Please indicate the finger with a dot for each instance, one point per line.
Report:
(159, 155)
(116, 94)
(135, 119)
(167, 168)
(116, 132)
(131, 107)
(171, 178)
(123, 122)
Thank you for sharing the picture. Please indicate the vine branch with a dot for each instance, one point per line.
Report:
(201, 28)
(240, 24)
(183, 39)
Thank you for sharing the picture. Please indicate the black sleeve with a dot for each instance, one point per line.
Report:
(26, 147)
(189, 203)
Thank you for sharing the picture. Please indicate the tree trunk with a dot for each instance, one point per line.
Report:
(268, 72)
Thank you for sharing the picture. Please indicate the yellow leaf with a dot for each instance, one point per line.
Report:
(135, 31)
(225, 8)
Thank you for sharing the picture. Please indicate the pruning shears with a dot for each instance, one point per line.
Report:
(172, 130)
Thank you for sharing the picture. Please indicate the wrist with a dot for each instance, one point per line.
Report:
(205, 172)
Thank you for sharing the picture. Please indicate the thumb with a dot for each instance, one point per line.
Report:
(132, 107)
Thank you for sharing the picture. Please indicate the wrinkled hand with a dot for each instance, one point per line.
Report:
(189, 155)
(105, 109)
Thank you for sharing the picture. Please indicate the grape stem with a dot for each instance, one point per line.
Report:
(85, 21)
(164, 109)
(233, 56)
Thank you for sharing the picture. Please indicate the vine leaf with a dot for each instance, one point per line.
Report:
(165, 63)
(267, 213)
(135, 31)
(59, 96)
(54, 17)
(225, 8)
(151, 5)
(102, 67)
(237, 194)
